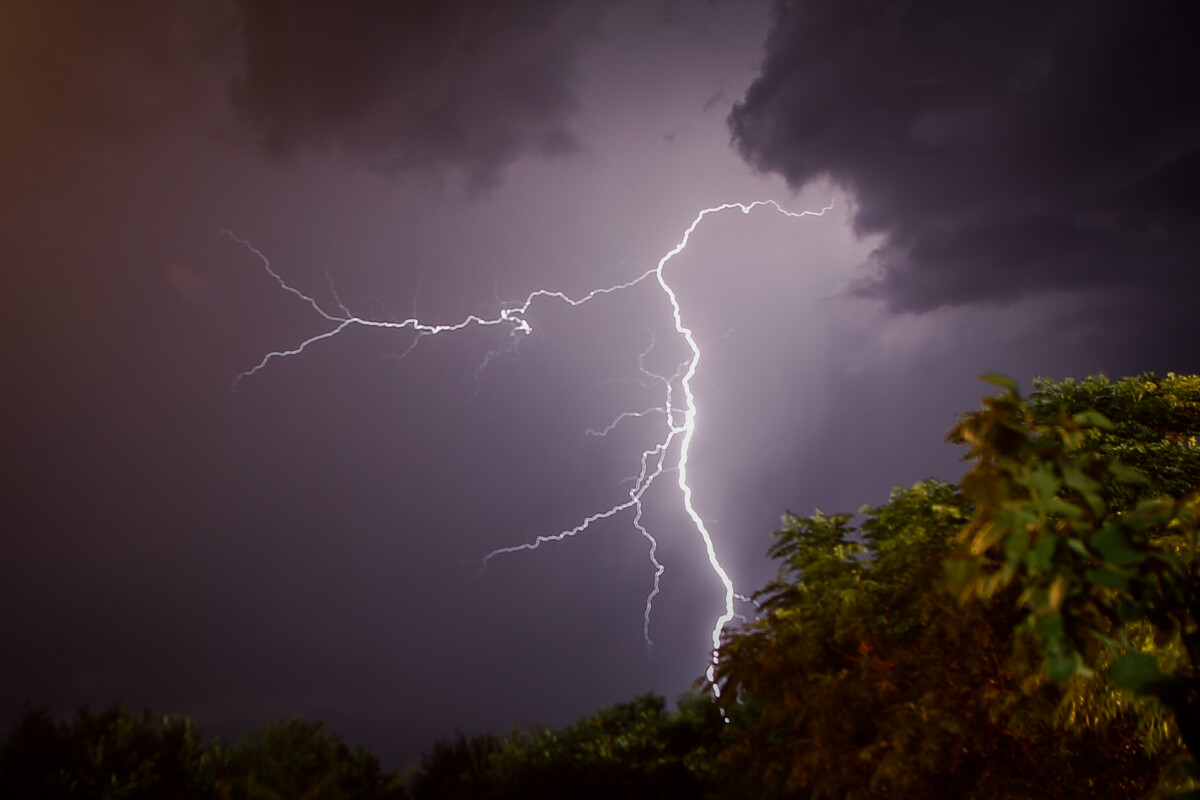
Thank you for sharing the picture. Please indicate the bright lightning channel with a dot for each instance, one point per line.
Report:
(680, 419)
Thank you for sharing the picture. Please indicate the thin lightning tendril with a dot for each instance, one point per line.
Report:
(680, 420)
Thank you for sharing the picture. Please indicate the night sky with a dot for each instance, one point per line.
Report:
(1015, 188)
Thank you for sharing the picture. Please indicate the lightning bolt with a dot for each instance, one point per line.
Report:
(678, 406)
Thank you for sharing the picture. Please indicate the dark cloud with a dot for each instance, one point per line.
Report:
(423, 84)
(999, 148)
(419, 84)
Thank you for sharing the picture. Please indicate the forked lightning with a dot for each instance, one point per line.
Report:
(677, 409)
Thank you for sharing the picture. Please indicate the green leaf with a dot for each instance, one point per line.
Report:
(1063, 508)
(1137, 672)
(1050, 626)
(1039, 558)
(1079, 547)
(1060, 666)
(1074, 477)
(1107, 577)
(1151, 512)
(1001, 380)
(1124, 474)
(1114, 547)
(1043, 481)
(1016, 544)
(1093, 419)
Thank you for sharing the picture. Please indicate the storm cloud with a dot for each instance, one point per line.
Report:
(440, 86)
(999, 149)
(416, 84)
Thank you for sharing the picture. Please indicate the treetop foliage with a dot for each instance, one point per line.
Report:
(871, 680)
(1086, 501)
(146, 756)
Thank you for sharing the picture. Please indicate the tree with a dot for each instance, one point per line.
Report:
(116, 754)
(628, 750)
(456, 769)
(871, 680)
(1152, 424)
(1086, 503)
(110, 754)
(297, 758)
